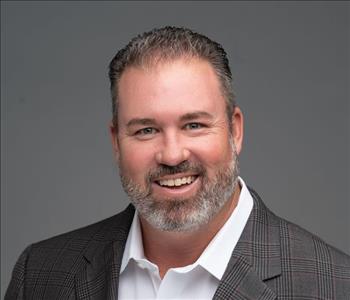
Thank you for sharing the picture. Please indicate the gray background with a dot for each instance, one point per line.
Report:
(291, 67)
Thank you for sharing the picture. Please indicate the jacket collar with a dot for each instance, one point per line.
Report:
(255, 259)
(99, 277)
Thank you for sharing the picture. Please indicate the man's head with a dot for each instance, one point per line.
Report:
(168, 44)
(176, 148)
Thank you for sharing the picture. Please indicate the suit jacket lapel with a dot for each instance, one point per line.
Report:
(256, 257)
(99, 277)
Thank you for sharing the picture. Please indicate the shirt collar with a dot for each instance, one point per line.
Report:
(217, 254)
(134, 246)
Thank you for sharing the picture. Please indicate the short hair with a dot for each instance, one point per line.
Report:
(166, 44)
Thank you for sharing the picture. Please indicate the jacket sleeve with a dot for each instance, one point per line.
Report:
(15, 290)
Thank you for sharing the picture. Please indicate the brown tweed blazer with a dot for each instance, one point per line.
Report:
(274, 259)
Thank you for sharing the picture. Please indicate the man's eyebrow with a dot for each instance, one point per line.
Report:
(196, 115)
(186, 117)
(141, 121)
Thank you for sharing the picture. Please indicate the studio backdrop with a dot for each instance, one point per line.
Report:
(290, 62)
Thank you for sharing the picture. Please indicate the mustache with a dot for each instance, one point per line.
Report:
(183, 167)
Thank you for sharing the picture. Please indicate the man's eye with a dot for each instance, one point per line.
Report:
(145, 131)
(192, 126)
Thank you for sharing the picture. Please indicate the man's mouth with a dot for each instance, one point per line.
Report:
(176, 182)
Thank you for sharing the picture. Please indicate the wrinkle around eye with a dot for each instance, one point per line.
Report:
(147, 130)
(194, 126)
(145, 133)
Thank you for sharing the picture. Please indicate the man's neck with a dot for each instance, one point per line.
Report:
(177, 249)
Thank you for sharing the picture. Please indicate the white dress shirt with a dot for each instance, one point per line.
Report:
(139, 278)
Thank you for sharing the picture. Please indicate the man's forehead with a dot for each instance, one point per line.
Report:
(175, 91)
(195, 77)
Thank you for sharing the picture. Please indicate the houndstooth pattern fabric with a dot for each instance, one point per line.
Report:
(274, 259)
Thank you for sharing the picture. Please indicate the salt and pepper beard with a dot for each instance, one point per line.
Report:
(183, 214)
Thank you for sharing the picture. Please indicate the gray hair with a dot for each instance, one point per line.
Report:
(167, 44)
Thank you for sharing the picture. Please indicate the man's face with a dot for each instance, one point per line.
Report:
(177, 157)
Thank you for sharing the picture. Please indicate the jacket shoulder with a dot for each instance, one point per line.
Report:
(68, 246)
(297, 263)
(300, 243)
(56, 261)
(309, 264)
(294, 238)
(78, 240)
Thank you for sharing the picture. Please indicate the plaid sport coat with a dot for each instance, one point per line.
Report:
(274, 259)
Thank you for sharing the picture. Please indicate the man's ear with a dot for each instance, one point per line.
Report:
(237, 128)
(113, 131)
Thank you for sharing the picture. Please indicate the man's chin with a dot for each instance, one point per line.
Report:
(175, 224)
(175, 215)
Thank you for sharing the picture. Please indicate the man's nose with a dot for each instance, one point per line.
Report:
(172, 152)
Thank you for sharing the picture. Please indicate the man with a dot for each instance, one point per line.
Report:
(194, 229)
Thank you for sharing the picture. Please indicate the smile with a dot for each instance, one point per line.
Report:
(177, 182)
(180, 185)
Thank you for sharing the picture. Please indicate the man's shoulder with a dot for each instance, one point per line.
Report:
(67, 249)
(297, 246)
(312, 263)
(103, 231)
(298, 242)
(47, 269)
(292, 261)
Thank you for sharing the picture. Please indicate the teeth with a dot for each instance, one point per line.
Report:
(177, 181)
